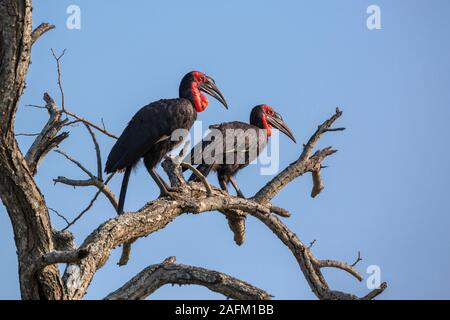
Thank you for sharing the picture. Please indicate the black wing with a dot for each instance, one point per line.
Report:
(151, 124)
(240, 146)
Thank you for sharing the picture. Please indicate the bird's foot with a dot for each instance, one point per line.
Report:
(174, 189)
(171, 193)
(241, 195)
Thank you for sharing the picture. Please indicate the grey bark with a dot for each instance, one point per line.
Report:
(20, 195)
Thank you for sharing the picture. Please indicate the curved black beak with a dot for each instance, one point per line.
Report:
(209, 86)
(277, 122)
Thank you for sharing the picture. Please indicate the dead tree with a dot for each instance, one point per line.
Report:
(40, 248)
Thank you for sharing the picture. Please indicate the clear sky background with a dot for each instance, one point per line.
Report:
(387, 188)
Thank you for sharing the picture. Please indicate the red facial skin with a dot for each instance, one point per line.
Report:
(267, 111)
(200, 100)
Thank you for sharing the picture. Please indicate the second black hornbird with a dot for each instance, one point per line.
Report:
(148, 134)
(240, 143)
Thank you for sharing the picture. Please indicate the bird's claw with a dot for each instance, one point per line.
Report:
(169, 194)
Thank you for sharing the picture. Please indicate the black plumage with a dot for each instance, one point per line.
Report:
(244, 141)
(149, 133)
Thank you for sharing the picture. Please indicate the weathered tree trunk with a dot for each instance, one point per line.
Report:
(18, 191)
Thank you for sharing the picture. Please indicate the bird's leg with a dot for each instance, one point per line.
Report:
(162, 181)
(163, 187)
(223, 184)
(236, 187)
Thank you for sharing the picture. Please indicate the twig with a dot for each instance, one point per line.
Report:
(358, 259)
(77, 163)
(91, 124)
(59, 215)
(333, 129)
(91, 203)
(81, 214)
(58, 65)
(103, 124)
(97, 153)
(102, 188)
(35, 106)
(72, 123)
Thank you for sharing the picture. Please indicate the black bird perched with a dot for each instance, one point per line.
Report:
(148, 134)
(243, 141)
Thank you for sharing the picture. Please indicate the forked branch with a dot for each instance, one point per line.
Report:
(168, 272)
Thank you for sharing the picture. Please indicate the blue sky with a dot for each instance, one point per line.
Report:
(386, 190)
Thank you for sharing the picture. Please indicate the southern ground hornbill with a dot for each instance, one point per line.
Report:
(148, 134)
(242, 140)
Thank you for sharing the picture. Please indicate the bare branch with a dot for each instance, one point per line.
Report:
(299, 167)
(76, 162)
(358, 259)
(91, 124)
(126, 253)
(40, 30)
(153, 217)
(309, 265)
(340, 265)
(58, 65)
(376, 292)
(156, 276)
(195, 198)
(27, 134)
(334, 130)
(48, 138)
(105, 190)
(236, 222)
(35, 106)
(316, 166)
(55, 257)
(312, 243)
(59, 215)
(171, 165)
(280, 211)
(157, 214)
(63, 107)
(97, 152)
(74, 182)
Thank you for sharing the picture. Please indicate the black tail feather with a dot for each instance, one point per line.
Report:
(123, 189)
